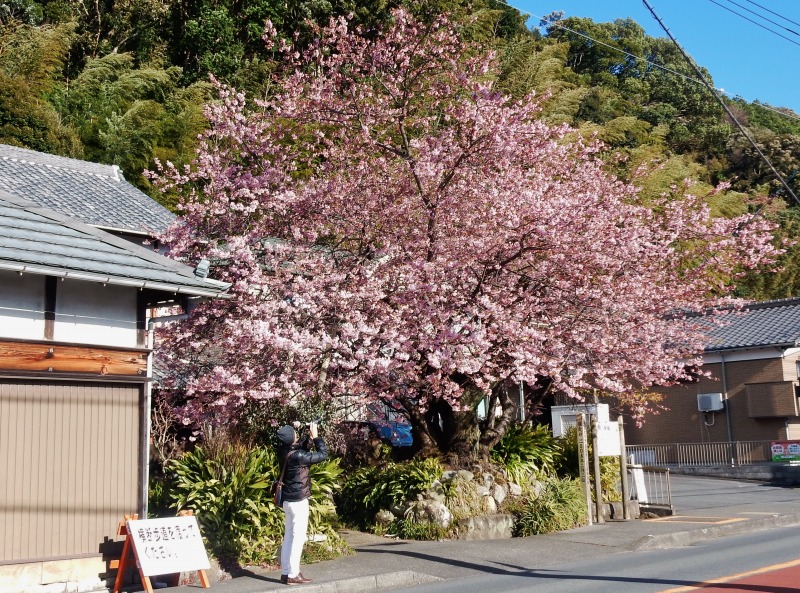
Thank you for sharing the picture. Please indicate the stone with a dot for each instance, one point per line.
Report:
(449, 476)
(436, 492)
(486, 527)
(499, 493)
(482, 490)
(514, 489)
(488, 479)
(384, 517)
(466, 475)
(438, 513)
(491, 505)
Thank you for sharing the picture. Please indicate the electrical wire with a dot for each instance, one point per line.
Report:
(773, 12)
(711, 88)
(733, 96)
(755, 23)
(761, 16)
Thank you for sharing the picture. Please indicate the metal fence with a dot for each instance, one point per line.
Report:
(650, 486)
(681, 454)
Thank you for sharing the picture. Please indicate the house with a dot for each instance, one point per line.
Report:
(751, 393)
(95, 194)
(75, 367)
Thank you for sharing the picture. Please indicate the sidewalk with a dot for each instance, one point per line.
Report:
(705, 508)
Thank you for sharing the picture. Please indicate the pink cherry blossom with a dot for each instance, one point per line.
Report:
(397, 230)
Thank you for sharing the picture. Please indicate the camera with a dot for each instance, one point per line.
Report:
(298, 425)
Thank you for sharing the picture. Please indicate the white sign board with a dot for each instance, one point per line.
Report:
(167, 546)
(638, 482)
(608, 439)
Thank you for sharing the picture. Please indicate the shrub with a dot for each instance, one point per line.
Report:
(526, 451)
(559, 506)
(226, 484)
(410, 528)
(370, 489)
(568, 465)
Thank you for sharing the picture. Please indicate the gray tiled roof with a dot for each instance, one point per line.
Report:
(769, 323)
(39, 241)
(92, 193)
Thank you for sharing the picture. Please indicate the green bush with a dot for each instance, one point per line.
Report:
(370, 489)
(559, 506)
(568, 466)
(526, 451)
(227, 488)
(410, 528)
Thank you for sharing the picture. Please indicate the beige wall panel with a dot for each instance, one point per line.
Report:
(68, 452)
(680, 422)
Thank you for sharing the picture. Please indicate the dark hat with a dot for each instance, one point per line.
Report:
(286, 434)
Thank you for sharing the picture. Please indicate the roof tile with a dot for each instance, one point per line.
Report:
(60, 184)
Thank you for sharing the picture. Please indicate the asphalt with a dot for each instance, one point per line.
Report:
(705, 508)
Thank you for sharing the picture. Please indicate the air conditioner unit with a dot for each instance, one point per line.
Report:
(709, 402)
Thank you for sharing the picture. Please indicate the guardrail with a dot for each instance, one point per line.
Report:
(680, 454)
(650, 486)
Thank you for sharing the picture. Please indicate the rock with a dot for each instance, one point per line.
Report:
(514, 489)
(437, 513)
(466, 475)
(384, 517)
(488, 479)
(449, 476)
(482, 490)
(491, 505)
(431, 511)
(499, 493)
(436, 492)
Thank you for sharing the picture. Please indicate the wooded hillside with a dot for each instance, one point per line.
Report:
(124, 82)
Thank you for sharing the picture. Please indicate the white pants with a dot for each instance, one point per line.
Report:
(294, 536)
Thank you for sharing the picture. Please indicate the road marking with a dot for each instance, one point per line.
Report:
(688, 519)
(733, 577)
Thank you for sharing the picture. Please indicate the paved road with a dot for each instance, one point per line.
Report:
(766, 562)
(706, 509)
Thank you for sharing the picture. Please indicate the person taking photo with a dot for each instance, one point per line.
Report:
(298, 456)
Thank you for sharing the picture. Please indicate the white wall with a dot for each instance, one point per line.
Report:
(90, 313)
(21, 306)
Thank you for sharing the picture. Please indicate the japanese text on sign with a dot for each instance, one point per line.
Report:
(169, 545)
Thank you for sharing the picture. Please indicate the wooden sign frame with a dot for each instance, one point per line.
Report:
(131, 553)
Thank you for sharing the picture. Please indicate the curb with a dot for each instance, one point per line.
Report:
(389, 580)
(686, 538)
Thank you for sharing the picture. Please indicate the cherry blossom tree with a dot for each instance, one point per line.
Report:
(397, 230)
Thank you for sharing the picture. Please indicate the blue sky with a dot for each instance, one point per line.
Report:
(743, 58)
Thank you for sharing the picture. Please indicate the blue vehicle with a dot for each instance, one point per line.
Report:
(397, 433)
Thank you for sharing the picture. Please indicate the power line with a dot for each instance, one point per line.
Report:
(713, 91)
(761, 16)
(664, 68)
(756, 23)
(772, 12)
(646, 61)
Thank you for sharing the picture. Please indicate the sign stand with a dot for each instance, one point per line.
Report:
(131, 551)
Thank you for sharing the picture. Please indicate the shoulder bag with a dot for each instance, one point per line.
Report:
(277, 485)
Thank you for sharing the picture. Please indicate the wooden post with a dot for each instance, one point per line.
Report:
(127, 551)
(623, 471)
(598, 486)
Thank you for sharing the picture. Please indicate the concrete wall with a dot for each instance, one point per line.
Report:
(779, 474)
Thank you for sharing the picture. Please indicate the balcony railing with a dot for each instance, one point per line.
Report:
(681, 454)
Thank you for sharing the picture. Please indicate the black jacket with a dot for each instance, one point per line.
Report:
(296, 480)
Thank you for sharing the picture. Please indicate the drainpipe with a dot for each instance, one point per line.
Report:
(144, 431)
(727, 407)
